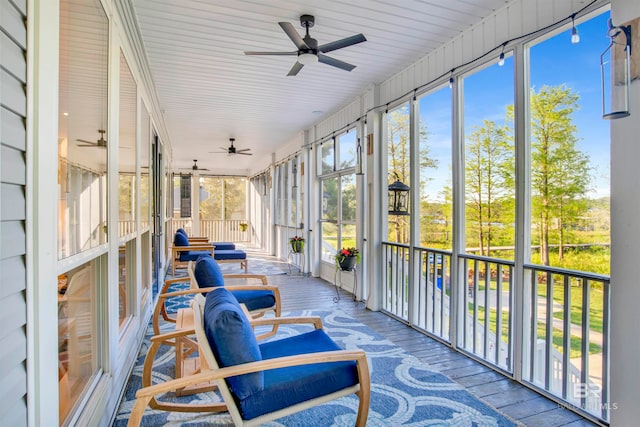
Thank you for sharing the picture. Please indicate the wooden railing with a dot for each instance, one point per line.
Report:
(230, 230)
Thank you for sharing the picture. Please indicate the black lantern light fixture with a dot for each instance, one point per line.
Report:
(398, 197)
(616, 73)
(294, 172)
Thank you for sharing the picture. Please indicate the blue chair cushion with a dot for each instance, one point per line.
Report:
(224, 246)
(193, 255)
(232, 340)
(208, 273)
(284, 387)
(255, 300)
(180, 239)
(235, 254)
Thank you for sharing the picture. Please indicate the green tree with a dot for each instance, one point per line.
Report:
(489, 164)
(399, 167)
(560, 174)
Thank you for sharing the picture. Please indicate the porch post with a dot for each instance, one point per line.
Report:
(625, 243)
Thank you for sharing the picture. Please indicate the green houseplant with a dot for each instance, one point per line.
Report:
(243, 226)
(347, 258)
(297, 244)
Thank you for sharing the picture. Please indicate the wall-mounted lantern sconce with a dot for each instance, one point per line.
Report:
(294, 172)
(264, 184)
(359, 159)
(615, 67)
(399, 198)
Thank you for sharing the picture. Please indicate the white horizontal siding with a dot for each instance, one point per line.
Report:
(12, 211)
(14, 276)
(13, 316)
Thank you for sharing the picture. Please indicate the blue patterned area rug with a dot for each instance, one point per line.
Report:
(404, 391)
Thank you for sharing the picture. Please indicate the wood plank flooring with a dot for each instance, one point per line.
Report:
(513, 399)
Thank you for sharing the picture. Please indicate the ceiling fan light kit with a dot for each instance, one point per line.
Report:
(308, 50)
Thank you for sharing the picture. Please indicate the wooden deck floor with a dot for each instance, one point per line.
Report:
(513, 399)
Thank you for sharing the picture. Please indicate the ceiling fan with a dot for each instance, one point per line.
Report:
(233, 150)
(308, 50)
(101, 142)
(195, 167)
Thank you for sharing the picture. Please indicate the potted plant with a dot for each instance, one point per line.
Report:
(243, 226)
(347, 258)
(297, 244)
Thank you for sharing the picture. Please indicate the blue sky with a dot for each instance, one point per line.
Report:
(554, 61)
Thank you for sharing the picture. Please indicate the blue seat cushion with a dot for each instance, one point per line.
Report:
(208, 273)
(224, 246)
(235, 254)
(284, 387)
(255, 300)
(232, 340)
(193, 255)
(180, 239)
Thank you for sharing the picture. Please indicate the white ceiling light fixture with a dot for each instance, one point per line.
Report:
(307, 58)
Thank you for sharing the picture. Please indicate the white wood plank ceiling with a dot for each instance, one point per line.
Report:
(210, 91)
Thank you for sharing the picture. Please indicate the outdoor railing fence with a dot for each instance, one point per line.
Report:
(568, 349)
(566, 322)
(487, 327)
(216, 230)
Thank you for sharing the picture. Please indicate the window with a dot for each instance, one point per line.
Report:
(78, 331)
(489, 161)
(436, 204)
(211, 201)
(145, 155)
(338, 217)
(570, 153)
(127, 151)
(328, 157)
(82, 184)
(347, 150)
(398, 166)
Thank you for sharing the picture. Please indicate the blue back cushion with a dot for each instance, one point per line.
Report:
(181, 231)
(232, 340)
(208, 273)
(180, 239)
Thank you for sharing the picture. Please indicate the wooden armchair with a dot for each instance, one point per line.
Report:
(260, 297)
(260, 383)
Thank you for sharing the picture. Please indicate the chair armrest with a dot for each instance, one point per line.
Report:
(161, 310)
(198, 239)
(170, 282)
(262, 277)
(264, 321)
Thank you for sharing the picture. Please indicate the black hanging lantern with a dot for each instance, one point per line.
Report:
(616, 73)
(399, 198)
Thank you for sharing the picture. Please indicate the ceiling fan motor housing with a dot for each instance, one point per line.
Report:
(307, 21)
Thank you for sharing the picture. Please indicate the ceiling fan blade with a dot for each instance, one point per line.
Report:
(87, 142)
(245, 154)
(295, 69)
(335, 62)
(244, 149)
(89, 146)
(339, 44)
(293, 35)
(270, 53)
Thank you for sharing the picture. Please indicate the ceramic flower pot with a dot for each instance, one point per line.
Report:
(348, 263)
